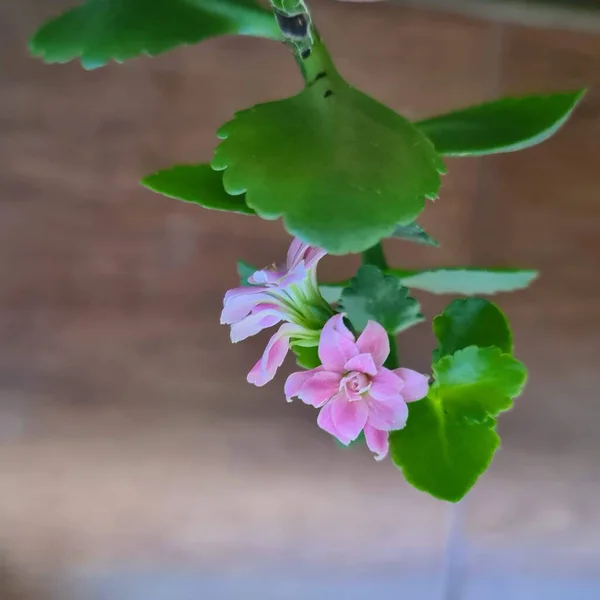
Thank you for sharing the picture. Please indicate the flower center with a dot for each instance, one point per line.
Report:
(355, 384)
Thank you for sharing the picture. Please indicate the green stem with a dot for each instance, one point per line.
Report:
(376, 256)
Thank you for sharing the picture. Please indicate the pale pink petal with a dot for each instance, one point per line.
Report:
(237, 307)
(273, 356)
(296, 252)
(296, 274)
(296, 380)
(336, 348)
(374, 341)
(363, 363)
(313, 256)
(377, 441)
(416, 385)
(266, 276)
(254, 323)
(325, 422)
(387, 415)
(319, 388)
(349, 418)
(243, 291)
(386, 385)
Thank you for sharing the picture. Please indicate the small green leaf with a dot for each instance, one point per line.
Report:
(198, 184)
(372, 295)
(307, 357)
(466, 281)
(413, 232)
(245, 271)
(500, 126)
(101, 30)
(340, 169)
(450, 438)
(471, 322)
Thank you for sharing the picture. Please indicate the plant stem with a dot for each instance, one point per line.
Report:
(376, 256)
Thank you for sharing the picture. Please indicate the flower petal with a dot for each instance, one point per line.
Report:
(319, 388)
(377, 441)
(363, 363)
(273, 356)
(312, 256)
(237, 306)
(416, 385)
(374, 341)
(386, 385)
(325, 422)
(295, 252)
(349, 418)
(336, 346)
(254, 323)
(296, 380)
(387, 415)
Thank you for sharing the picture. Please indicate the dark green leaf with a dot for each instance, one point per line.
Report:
(413, 233)
(466, 281)
(500, 126)
(450, 438)
(372, 295)
(245, 271)
(198, 184)
(341, 169)
(471, 322)
(101, 30)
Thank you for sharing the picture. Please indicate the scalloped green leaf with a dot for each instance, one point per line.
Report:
(340, 169)
(471, 322)
(197, 184)
(103, 30)
(413, 232)
(503, 125)
(466, 281)
(450, 438)
(372, 295)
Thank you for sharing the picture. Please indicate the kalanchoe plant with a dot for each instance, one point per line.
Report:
(343, 172)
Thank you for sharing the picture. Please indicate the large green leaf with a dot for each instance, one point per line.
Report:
(101, 30)
(500, 126)
(198, 184)
(450, 438)
(372, 295)
(466, 281)
(471, 321)
(341, 169)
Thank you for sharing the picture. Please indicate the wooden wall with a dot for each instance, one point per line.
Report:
(127, 431)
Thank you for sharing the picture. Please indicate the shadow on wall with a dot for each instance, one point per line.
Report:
(13, 586)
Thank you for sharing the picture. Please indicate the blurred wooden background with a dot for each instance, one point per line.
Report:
(128, 435)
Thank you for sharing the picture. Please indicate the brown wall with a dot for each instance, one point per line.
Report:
(127, 430)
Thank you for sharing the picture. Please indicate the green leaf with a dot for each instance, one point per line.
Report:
(466, 281)
(471, 322)
(450, 438)
(245, 271)
(198, 184)
(375, 296)
(101, 30)
(338, 167)
(307, 357)
(413, 232)
(500, 126)
(450, 280)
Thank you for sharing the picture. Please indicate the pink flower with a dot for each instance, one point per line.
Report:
(288, 293)
(353, 389)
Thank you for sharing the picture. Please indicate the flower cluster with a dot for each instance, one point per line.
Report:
(287, 293)
(353, 390)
